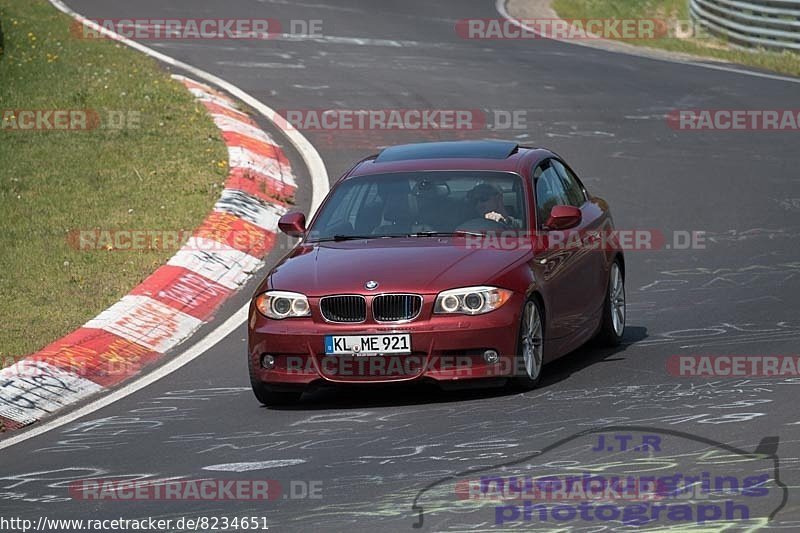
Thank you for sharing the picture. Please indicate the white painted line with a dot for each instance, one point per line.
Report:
(198, 349)
(500, 5)
(257, 465)
(320, 185)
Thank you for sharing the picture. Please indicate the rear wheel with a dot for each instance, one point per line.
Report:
(530, 347)
(614, 311)
(270, 397)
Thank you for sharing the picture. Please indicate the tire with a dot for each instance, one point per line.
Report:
(530, 347)
(612, 327)
(270, 397)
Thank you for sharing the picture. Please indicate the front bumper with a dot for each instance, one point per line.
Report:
(444, 348)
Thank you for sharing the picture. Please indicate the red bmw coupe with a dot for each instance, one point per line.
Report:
(460, 262)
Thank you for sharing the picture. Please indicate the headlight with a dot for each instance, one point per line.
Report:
(282, 304)
(471, 300)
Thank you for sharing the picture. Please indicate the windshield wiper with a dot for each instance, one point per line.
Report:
(339, 238)
(445, 234)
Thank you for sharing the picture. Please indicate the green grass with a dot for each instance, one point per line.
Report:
(705, 46)
(165, 174)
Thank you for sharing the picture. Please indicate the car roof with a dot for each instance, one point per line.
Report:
(494, 155)
(448, 150)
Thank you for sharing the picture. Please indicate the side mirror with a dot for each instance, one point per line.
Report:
(563, 217)
(293, 224)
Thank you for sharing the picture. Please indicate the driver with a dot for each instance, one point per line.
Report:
(487, 201)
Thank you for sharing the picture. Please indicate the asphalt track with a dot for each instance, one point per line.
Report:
(374, 450)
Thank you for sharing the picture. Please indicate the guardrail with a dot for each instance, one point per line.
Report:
(773, 24)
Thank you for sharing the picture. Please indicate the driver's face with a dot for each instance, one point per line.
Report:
(493, 203)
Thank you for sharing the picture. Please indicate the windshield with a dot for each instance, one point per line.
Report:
(420, 203)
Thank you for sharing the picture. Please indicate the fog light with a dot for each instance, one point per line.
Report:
(267, 361)
(491, 356)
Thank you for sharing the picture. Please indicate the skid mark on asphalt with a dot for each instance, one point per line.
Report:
(698, 278)
(725, 333)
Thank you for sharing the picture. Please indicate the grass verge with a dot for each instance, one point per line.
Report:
(677, 10)
(155, 162)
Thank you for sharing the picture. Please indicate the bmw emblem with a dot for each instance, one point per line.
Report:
(371, 285)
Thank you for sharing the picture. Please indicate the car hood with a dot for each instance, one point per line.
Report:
(417, 265)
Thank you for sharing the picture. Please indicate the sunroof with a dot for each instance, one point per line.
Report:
(449, 150)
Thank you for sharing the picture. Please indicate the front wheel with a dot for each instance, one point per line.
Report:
(530, 347)
(613, 326)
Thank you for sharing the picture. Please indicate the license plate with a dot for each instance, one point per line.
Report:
(367, 344)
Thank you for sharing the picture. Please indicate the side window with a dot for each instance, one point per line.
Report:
(549, 190)
(573, 189)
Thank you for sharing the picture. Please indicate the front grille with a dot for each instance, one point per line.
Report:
(343, 308)
(396, 307)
